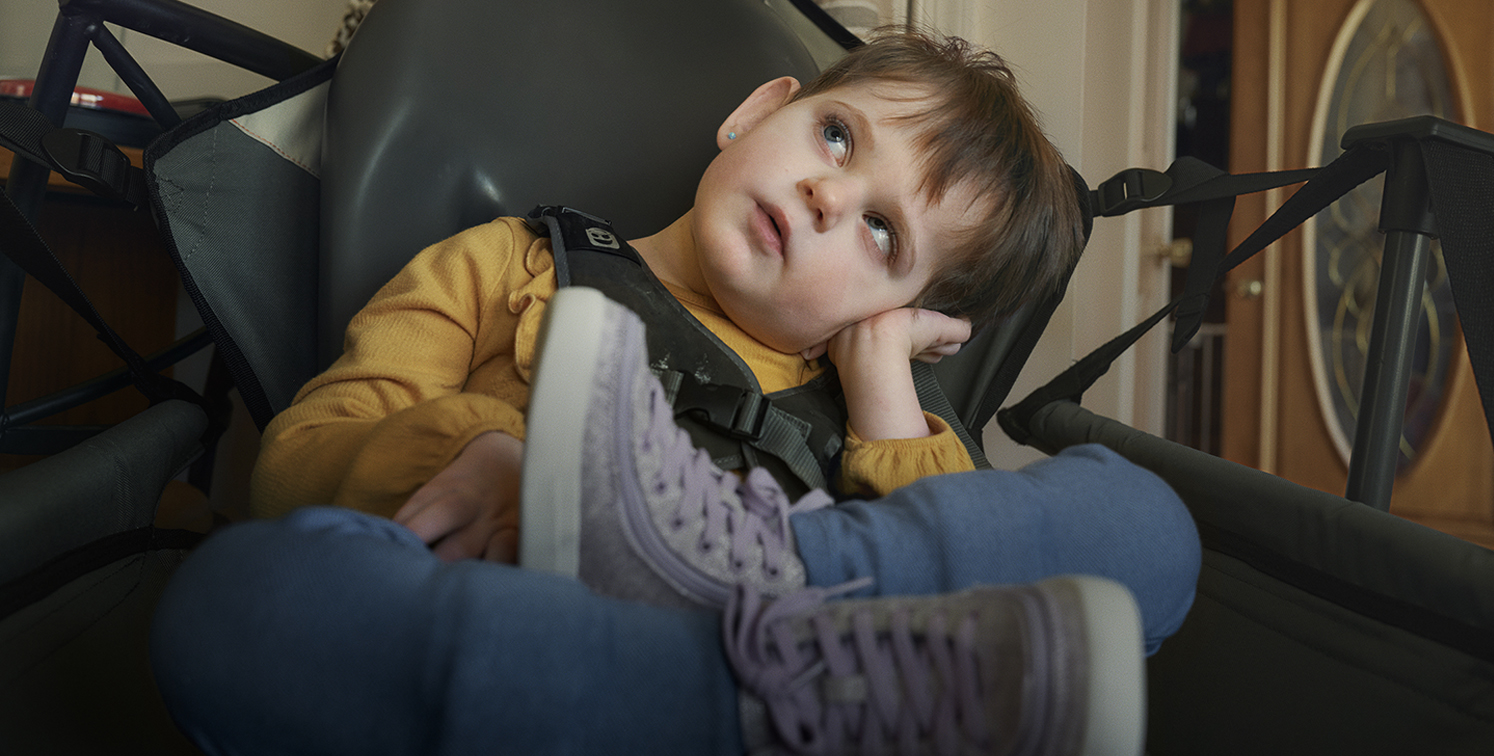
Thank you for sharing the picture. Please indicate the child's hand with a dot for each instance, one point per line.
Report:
(872, 357)
(917, 334)
(471, 509)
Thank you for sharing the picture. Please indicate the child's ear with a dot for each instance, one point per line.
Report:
(758, 105)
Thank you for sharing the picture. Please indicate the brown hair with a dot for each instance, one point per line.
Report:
(978, 129)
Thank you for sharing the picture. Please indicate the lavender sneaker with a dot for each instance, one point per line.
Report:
(616, 494)
(1050, 668)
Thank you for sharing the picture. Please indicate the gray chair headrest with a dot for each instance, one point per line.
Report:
(445, 114)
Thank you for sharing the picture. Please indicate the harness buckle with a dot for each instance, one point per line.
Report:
(91, 161)
(738, 412)
(1130, 189)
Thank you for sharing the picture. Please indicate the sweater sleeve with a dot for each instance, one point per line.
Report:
(872, 469)
(428, 364)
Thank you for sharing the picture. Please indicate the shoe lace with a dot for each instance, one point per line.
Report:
(827, 688)
(707, 492)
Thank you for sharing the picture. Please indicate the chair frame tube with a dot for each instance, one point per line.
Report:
(81, 23)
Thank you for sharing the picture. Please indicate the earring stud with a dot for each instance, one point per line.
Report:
(731, 135)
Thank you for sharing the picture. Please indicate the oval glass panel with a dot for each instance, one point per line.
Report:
(1387, 65)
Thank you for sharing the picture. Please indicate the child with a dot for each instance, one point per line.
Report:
(909, 173)
(826, 214)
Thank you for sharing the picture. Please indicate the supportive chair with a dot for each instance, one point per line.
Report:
(287, 208)
(319, 198)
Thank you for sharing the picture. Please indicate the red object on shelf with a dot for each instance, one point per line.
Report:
(83, 97)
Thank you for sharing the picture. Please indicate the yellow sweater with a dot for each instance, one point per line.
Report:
(443, 353)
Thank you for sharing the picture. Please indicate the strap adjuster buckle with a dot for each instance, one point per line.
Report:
(1130, 189)
(91, 161)
(738, 412)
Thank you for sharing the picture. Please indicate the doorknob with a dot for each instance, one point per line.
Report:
(1177, 253)
(1250, 289)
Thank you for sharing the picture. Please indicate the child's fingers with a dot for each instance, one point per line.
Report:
(932, 330)
(503, 546)
(935, 353)
(465, 543)
(492, 538)
(433, 516)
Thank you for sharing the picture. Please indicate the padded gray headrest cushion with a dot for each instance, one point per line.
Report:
(445, 114)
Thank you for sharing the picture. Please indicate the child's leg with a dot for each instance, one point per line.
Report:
(1085, 511)
(329, 631)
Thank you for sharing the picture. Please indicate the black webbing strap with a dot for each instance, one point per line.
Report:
(1324, 185)
(21, 243)
(96, 164)
(1072, 383)
(83, 157)
(1461, 184)
(1010, 368)
(22, 129)
(1191, 181)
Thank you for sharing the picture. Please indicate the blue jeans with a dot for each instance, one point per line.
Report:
(332, 631)
(1086, 511)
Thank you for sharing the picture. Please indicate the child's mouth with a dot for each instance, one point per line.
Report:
(771, 232)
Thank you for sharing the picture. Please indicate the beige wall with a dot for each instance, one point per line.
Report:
(1102, 75)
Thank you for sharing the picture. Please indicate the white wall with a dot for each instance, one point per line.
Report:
(1102, 75)
(25, 26)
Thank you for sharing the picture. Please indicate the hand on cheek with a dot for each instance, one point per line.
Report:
(907, 333)
(872, 357)
(471, 509)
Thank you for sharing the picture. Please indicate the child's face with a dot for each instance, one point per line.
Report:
(812, 217)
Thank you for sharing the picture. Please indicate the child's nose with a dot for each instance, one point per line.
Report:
(826, 198)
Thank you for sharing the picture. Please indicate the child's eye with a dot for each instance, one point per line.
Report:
(883, 236)
(838, 138)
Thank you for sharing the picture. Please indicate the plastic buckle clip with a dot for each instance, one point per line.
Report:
(1130, 189)
(739, 412)
(89, 160)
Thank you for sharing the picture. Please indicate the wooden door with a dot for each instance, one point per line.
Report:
(1302, 70)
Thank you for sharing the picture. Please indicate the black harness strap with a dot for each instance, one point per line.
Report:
(1187, 182)
(714, 394)
(25, 247)
(87, 159)
(707, 384)
(1462, 193)
(1459, 167)
(96, 164)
